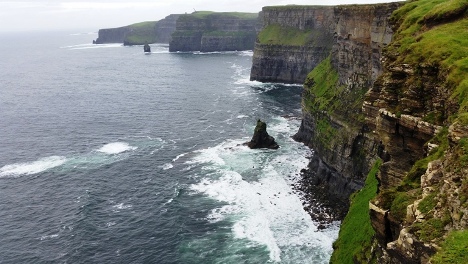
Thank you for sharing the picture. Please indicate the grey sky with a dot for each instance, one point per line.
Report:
(23, 15)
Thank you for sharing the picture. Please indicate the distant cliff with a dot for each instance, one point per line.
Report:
(140, 33)
(386, 110)
(293, 40)
(209, 31)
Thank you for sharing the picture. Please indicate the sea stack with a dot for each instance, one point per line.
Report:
(147, 48)
(261, 139)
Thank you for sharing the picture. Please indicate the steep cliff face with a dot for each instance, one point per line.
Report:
(293, 40)
(140, 33)
(418, 108)
(333, 94)
(400, 102)
(210, 31)
(112, 35)
(391, 92)
(165, 27)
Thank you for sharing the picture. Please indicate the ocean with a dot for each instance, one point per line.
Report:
(110, 155)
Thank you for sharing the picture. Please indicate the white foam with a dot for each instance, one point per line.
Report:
(263, 207)
(248, 53)
(166, 166)
(34, 167)
(179, 156)
(242, 116)
(92, 46)
(122, 206)
(246, 81)
(116, 148)
(49, 237)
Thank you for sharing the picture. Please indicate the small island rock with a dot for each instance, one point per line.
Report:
(261, 139)
(147, 48)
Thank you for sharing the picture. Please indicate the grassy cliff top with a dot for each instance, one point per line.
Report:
(434, 33)
(211, 14)
(295, 7)
(280, 35)
(143, 25)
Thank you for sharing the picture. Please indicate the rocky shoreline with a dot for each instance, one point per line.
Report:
(323, 207)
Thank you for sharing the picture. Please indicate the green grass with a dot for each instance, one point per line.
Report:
(454, 249)
(143, 25)
(432, 228)
(141, 33)
(280, 35)
(356, 233)
(321, 84)
(433, 33)
(428, 203)
(399, 205)
(201, 15)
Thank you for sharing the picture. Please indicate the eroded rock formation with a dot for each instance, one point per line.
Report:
(261, 139)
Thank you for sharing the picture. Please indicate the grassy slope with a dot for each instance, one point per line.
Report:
(356, 232)
(276, 34)
(454, 249)
(425, 38)
(211, 14)
(142, 33)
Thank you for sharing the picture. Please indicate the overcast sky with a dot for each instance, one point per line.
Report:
(24, 15)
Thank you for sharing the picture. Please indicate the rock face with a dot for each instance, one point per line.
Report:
(356, 35)
(261, 139)
(371, 96)
(335, 129)
(285, 63)
(112, 35)
(209, 31)
(140, 33)
(165, 27)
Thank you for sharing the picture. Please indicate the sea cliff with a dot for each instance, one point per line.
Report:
(211, 31)
(140, 33)
(384, 88)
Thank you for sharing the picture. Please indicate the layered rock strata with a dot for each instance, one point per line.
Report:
(210, 31)
(334, 127)
(373, 97)
(275, 61)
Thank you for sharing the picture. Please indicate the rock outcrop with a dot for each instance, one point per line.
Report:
(261, 139)
(210, 31)
(146, 48)
(140, 33)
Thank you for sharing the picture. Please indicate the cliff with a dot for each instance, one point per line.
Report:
(293, 40)
(112, 35)
(388, 93)
(140, 33)
(210, 31)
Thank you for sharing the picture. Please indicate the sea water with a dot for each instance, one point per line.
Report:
(110, 155)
